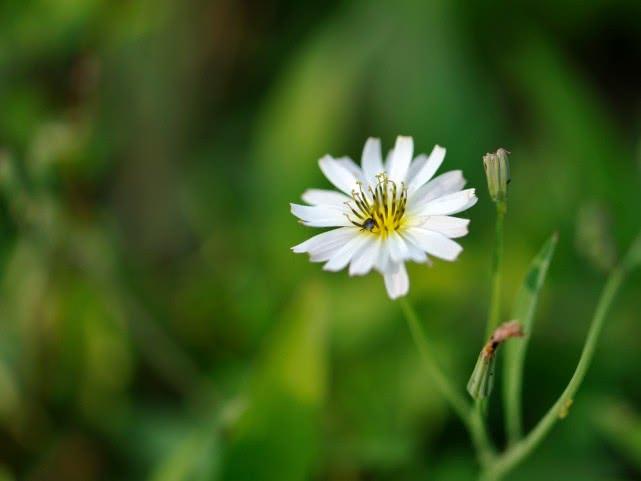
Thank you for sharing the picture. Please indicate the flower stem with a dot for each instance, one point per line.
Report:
(521, 450)
(494, 312)
(480, 437)
(469, 415)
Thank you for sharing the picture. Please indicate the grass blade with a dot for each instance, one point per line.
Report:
(523, 311)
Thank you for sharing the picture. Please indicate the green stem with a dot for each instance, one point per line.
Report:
(470, 417)
(494, 312)
(521, 450)
(480, 436)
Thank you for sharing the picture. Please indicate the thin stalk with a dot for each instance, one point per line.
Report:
(470, 417)
(494, 312)
(456, 400)
(521, 450)
(480, 437)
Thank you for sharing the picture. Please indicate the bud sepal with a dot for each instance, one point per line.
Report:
(497, 172)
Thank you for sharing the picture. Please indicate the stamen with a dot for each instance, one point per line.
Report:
(383, 210)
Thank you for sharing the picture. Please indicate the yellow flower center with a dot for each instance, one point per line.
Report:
(382, 210)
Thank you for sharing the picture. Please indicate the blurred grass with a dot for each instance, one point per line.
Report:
(155, 325)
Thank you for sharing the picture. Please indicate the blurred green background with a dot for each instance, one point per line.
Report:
(154, 324)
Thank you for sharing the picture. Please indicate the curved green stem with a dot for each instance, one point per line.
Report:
(469, 416)
(521, 450)
(494, 313)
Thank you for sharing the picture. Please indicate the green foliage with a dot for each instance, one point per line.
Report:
(154, 323)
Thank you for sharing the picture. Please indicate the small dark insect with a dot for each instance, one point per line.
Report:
(369, 224)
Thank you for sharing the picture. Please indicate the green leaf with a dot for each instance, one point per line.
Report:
(523, 311)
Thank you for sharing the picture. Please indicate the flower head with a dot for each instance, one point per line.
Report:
(387, 214)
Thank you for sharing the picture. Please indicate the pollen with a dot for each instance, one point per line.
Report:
(380, 210)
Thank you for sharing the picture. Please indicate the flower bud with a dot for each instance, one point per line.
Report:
(482, 379)
(497, 171)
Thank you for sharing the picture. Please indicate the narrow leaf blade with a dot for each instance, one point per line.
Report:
(523, 311)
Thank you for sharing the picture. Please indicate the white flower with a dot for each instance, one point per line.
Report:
(387, 214)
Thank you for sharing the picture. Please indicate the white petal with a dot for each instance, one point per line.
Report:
(396, 281)
(342, 257)
(329, 239)
(417, 164)
(448, 204)
(451, 227)
(428, 169)
(321, 215)
(340, 173)
(401, 158)
(326, 252)
(383, 260)
(325, 197)
(444, 184)
(415, 253)
(350, 165)
(397, 248)
(434, 243)
(363, 262)
(372, 161)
